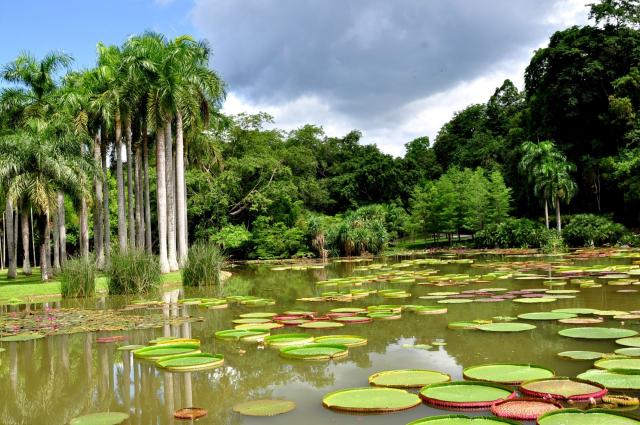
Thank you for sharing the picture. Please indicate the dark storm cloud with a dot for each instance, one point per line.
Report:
(363, 56)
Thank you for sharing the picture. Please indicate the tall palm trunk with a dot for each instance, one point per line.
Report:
(26, 262)
(147, 196)
(45, 231)
(181, 199)
(171, 200)
(122, 218)
(47, 247)
(11, 258)
(84, 228)
(98, 239)
(56, 242)
(546, 212)
(558, 218)
(161, 189)
(106, 232)
(138, 210)
(62, 228)
(130, 185)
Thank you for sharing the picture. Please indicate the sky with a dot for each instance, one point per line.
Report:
(393, 69)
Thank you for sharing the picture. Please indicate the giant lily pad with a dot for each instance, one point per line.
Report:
(242, 334)
(284, 340)
(506, 373)
(465, 394)
(618, 363)
(588, 417)
(505, 327)
(597, 333)
(371, 400)
(527, 409)
(629, 351)
(315, 351)
(538, 300)
(155, 352)
(320, 325)
(575, 310)
(258, 315)
(348, 340)
(562, 388)
(27, 336)
(462, 420)
(612, 379)
(580, 355)
(546, 315)
(629, 342)
(264, 407)
(102, 418)
(191, 362)
(407, 378)
(252, 320)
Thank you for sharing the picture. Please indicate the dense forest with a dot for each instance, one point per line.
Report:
(136, 154)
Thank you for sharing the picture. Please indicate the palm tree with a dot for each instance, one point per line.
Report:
(549, 172)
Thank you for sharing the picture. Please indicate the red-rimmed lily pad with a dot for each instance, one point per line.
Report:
(264, 407)
(407, 378)
(524, 409)
(597, 333)
(507, 373)
(588, 417)
(463, 394)
(370, 400)
(191, 413)
(562, 388)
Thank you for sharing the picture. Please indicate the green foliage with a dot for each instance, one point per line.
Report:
(77, 278)
(360, 232)
(133, 272)
(203, 265)
(513, 233)
(276, 240)
(553, 242)
(591, 229)
(231, 237)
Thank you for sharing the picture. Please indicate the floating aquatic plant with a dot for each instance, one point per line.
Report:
(264, 407)
(463, 394)
(507, 373)
(371, 400)
(407, 378)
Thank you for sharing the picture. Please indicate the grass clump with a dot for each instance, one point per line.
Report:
(203, 265)
(77, 278)
(133, 272)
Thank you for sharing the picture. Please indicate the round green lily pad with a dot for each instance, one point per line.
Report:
(130, 347)
(455, 301)
(575, 310)
(261, 326)
(284, 340)
(546, 315)
(618, 363)
(407, 378)
(384, 315)
(462, 420)
(242, 334)
(27, 336)
(371, 400)
(102, 418)
(191, 362)
(264, 407)
(506, 327)
(507, 373)
(320, 325)
(628, 351)
(597, 333)
(258, 315)
(353, 310)
(348, 340)
(588, 417)
(613, 380)
(539, 300)
(315, 351)
(155, 352)
(580, 355)
(252, 320)
(463, 325)
(465, 394)
(629, 342)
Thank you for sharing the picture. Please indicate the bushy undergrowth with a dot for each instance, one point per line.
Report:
(133, 272)
(513, 233)
(592, 230)
(203, 265)
(77, 278)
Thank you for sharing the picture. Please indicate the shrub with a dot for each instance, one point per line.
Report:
(203, 265)
(133, 272)
(592, 230)
(78, 277)
(630, 239)
(552, 242)
(276, 240)
(359, 232)
(512, 233)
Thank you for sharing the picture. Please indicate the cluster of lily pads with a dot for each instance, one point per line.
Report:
(509, 391)
(217, 303)
(175, 354)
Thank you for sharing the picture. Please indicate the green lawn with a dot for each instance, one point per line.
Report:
(31, 286)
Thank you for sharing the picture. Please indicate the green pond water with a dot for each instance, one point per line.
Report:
(54, 379)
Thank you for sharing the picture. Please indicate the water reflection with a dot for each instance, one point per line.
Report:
(52, 380)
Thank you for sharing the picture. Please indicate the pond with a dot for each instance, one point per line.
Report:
(54, 379)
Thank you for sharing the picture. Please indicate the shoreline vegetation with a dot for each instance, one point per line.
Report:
(133, 160)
